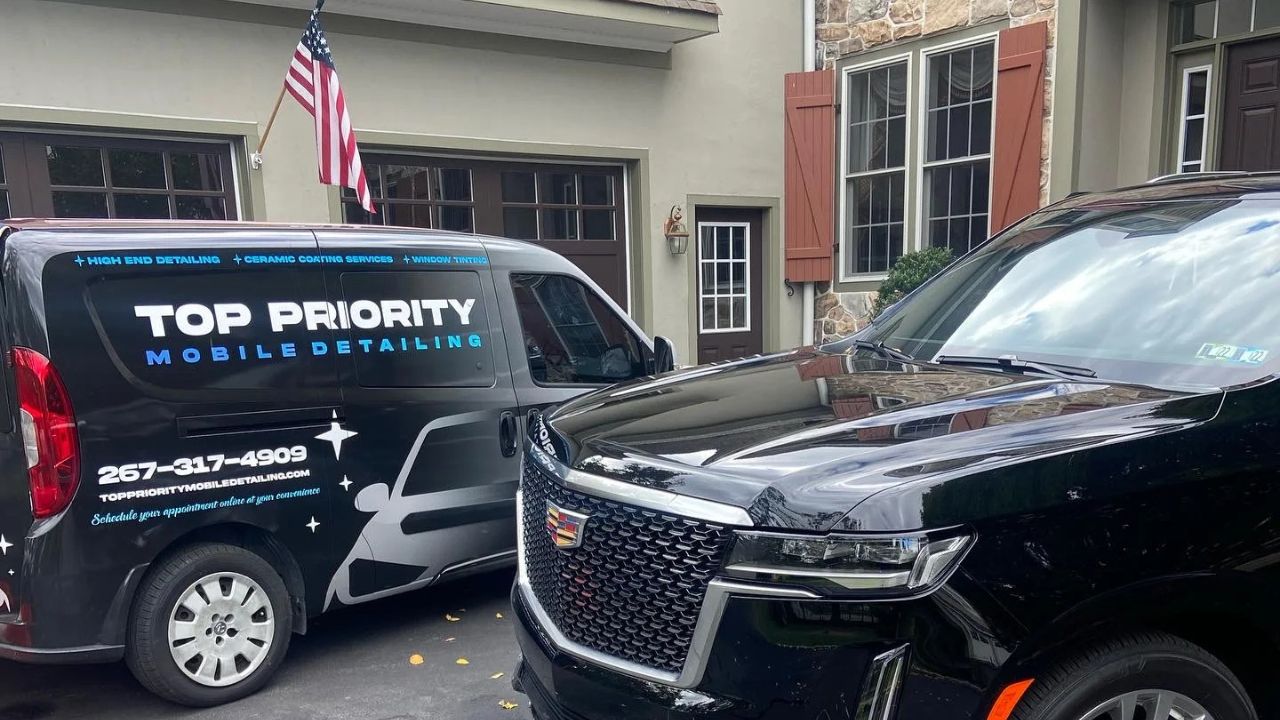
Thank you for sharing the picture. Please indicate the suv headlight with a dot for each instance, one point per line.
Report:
(875, 565)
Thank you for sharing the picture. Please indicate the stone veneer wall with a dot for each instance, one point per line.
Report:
(848, 27)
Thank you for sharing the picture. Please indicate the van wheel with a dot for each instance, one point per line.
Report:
(210, 625)
(1140, 676)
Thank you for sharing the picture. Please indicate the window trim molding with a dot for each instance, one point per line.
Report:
(915, 240)
(908, 157)
(1183, 106)
(916, 55)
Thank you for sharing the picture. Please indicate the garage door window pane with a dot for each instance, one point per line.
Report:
(200, 208)
(453, 184)
(196, 171)
(142, 206)
(520, 223)
(136, 169)
(407, 183)
(559, 225)
(597, 224)
(559, 188)
(79, 205)
(518, 187)
(77, 166)
(597, 189)
(405, 214)
(455, 217)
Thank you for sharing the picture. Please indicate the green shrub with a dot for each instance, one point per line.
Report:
(909, 273)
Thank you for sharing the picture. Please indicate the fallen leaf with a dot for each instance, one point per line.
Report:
(462, 661)
(416, 659)
(496, 675)
(498, 615)
(451, 618)
(507, 705)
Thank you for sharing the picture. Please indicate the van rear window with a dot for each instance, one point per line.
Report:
(241, 330)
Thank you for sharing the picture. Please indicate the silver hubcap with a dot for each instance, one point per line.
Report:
(221, 629)
(1149, 705)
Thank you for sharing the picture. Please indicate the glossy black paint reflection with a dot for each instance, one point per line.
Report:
(1097, 507)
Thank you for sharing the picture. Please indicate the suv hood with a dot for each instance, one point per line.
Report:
(800, 439)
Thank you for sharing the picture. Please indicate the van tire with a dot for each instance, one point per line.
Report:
(1135, 663)
(147, 650)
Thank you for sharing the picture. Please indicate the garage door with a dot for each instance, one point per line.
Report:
(578, 211)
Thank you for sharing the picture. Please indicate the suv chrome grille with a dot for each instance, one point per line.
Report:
(634, 588)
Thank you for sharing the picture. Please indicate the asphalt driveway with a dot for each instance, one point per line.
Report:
(355, 663)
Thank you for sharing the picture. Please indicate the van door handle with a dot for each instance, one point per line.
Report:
(508, 433)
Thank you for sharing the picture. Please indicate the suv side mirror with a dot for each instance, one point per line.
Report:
(373, 498)
(664, 355)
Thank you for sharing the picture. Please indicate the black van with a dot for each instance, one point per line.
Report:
(1045, 486)
(216, 431)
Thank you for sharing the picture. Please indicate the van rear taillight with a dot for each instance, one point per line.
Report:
(49, 433)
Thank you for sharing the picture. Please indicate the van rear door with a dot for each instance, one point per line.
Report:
(426, 384)
(196, 393)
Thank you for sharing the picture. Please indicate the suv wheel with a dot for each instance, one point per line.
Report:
(210, 625)
(1141, 676)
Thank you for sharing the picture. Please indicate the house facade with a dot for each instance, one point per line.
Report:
(954, 118)
(576, 124)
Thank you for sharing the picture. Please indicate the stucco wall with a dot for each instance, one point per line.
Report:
(711, 124)
(849, 27)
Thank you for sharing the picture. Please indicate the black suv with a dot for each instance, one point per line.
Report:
(1042, 487)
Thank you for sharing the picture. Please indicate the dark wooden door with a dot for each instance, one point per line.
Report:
(1251, 116)
(730, 283)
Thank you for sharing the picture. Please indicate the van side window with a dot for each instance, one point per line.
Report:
(571, 336)
(416, 329)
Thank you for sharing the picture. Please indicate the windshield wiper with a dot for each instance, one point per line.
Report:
(879, 348)
(1013, 362)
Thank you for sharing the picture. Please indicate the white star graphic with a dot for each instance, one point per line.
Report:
(346, 484)
(11, 573)
(336, 434)
(313, 524)
(4, 545)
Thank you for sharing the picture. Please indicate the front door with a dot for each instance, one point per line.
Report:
(1251, 121)
(730, 248)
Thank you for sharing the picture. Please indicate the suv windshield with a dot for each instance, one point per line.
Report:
(1171, 293)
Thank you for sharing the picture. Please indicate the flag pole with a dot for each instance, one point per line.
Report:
(256, 157)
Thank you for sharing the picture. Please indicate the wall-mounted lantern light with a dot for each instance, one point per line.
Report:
(676, 232)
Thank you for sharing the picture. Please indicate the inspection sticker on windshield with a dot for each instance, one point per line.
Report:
(1241, 354)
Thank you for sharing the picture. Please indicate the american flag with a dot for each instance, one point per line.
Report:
(313, 81)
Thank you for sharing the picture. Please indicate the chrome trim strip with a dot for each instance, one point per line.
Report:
(849, 580)
(879, 696)
(651, 498)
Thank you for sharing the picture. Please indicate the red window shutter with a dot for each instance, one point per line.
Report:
(810, 175)
(1015, 191)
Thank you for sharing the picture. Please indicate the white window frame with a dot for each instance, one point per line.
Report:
(746, 279)
(846, 251)
(920, 232)
(913, 237)
(1180, 162)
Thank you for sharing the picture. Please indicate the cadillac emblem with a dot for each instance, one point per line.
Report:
(565, 527)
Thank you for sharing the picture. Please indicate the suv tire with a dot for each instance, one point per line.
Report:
(221, 608)
(1136, 666)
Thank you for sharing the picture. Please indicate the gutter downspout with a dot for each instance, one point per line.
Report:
(810, 63)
